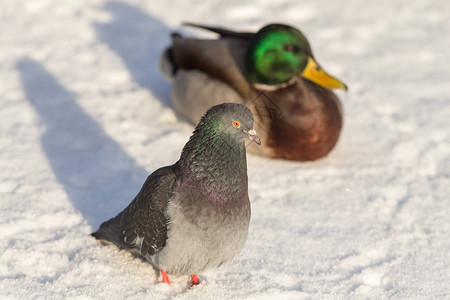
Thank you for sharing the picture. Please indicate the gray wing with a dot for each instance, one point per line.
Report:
(142, 226)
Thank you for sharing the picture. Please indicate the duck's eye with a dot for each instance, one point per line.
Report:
(290, 48)
(236, 124)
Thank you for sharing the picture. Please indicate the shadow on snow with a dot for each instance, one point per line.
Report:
(97, 174)
(139, 39)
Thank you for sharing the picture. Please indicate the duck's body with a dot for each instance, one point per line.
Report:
(297, 119)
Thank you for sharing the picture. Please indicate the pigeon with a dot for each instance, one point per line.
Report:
(193, 215)
(273, 72)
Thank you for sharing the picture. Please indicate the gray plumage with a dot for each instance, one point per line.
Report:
(194, 214)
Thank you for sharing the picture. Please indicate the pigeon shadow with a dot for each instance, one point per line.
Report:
(98, 176)
(139, 39)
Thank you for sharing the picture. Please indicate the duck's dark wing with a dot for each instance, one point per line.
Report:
(222, 31)
(222, 58)
(143, 225)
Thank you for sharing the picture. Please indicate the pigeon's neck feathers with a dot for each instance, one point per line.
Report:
(215, 162)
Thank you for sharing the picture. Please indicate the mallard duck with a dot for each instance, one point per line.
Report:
(273, 72)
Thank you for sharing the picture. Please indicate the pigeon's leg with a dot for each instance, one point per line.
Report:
(165, 278)
(194, 279)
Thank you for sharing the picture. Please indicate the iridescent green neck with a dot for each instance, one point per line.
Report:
(207, 134)
(214, 162)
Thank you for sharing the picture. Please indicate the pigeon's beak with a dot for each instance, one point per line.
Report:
(253, 136)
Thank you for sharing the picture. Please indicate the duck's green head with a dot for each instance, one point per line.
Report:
(277, 54)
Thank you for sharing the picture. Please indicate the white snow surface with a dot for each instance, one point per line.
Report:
(85, 116)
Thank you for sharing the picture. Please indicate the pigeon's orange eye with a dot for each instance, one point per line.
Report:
(236, 124)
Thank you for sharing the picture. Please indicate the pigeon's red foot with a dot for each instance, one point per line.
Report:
(194, 279)
(165, 278)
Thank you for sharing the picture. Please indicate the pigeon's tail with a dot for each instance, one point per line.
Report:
(111, 231)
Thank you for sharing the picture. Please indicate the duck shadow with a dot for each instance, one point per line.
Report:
(139, 39)
(98, 176)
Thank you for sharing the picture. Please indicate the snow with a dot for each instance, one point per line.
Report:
(85, 116)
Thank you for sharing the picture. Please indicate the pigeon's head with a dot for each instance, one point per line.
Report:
(232, 120)
(278, 54)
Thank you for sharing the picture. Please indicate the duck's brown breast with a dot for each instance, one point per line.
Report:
(301, 122)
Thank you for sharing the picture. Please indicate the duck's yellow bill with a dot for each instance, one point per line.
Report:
(316, 74)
